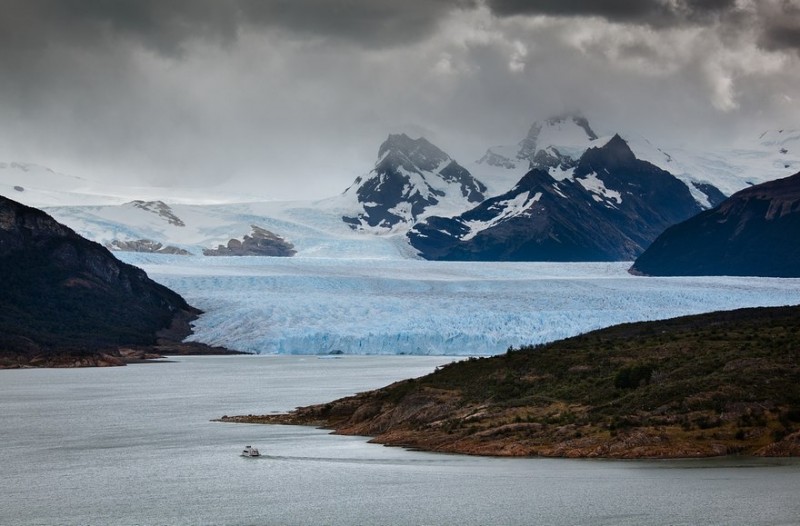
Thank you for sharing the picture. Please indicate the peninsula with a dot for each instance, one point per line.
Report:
(715, 384)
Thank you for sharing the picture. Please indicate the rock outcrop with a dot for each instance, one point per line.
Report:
(161, 209)
(146, 245)
(260, 242)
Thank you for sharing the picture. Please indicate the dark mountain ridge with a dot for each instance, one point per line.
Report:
(611, 208)
(63, 293)
(752, 233)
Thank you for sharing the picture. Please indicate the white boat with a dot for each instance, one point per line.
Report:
(250, 451)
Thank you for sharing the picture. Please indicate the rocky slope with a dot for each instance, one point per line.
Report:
(146, 245)
(753, 233)
(65, 295)
(411, 178)
(611, 207)
(714, 384)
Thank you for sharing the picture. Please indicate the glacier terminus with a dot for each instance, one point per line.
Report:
(405, 306)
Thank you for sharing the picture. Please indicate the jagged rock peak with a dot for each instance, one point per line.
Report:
(410, 178)
(534, 180)
(420, 151)
(615, 152)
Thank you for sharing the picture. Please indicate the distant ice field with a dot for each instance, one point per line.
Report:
(376, 306)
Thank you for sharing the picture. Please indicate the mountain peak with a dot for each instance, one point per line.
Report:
(420, 152)
(561, 131)
(398, 141)
(615, 152)
(410, 179)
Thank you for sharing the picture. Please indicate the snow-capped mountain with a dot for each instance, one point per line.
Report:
(555, 145)
(411, 180)
(610, 206)
(711, 175)
(770, 155)
(753, 233)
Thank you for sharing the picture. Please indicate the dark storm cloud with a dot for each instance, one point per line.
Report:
(162, 26)
(166, 25)
(613, 9)
(655, 12)
(777, 22)
(370, 22)
(779, 36)
(781, 25)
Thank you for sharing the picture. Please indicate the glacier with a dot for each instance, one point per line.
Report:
(404, 306)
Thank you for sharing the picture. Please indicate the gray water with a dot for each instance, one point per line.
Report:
(135, 445)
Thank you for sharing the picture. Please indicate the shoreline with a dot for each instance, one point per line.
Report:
(716, 384)
(115, 357)
(638, 444)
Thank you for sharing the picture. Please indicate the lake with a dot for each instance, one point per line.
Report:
(136, 445)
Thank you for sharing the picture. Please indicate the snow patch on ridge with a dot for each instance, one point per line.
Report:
(507, 209)
(594, 185)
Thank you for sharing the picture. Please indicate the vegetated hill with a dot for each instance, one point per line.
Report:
(610, 207)
(713, 384)
(753, 233)
(63, 295)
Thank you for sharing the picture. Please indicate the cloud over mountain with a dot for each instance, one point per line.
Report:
(202, 90)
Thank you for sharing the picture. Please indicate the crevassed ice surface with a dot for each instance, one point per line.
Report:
(392, 306)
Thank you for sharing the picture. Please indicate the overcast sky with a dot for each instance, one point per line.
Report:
(293, 97)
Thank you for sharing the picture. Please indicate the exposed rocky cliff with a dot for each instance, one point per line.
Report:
(260, 242)
(753, 233)
(64, 294)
